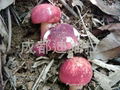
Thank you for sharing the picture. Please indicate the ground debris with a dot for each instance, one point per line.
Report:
(22, 70)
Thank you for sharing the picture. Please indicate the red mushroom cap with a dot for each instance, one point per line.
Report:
(39, 48)
(61, 38)
(45, 13)
(76, 71)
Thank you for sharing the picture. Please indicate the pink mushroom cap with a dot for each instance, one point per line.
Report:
(45, 13)
(76, 71)
(61, 38)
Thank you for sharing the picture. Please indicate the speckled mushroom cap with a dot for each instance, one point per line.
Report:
(62, 37)
(45, 13)
(76, 71)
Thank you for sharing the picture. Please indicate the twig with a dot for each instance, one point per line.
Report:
(16, 16)
(42, 57)
(10, 30)
(39, 63)
(10, 77)
(104, 65)
(40, 2)
(90, 35)
(1, 76)
(51, 2)
(85, 28)
(38, 80)
(4, 30)
(84, 15)
(68, 8)
(43, 75)
(5, 83)
(47, 69)
(18, 68)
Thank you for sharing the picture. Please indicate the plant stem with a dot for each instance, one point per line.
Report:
(75, 87)
(44, 27)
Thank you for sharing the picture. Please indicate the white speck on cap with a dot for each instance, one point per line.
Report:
(50, 11)
(69, 39)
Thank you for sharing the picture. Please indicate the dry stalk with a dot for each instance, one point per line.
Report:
(104, 65)
(43, 75)
(89, 34)
(68, 8)
(10, 30)
(1, 76)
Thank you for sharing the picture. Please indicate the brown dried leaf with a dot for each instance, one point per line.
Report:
(111, 7)
(109, 47)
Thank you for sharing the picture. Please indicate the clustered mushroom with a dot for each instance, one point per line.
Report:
(76, 71)
(59, 39)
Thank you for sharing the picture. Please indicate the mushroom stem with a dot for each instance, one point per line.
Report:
(44, 27)
(75, 87)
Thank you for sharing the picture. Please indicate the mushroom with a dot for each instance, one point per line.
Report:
(45, 14)
(76, 72)
(61, 38)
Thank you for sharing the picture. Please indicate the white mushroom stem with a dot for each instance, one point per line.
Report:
(44, 27)
(75, 87)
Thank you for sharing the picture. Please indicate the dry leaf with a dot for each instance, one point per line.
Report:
(104, 65)
(109, 47)
(77, 2)
(103, 80)
(43, 75)
(105, 55)
(2, 47)
(115, 77)
(46, 88)
(5, 3)
(1, 75)
(3, 29)
(39, 63)
(111, 7)
(29, 85)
